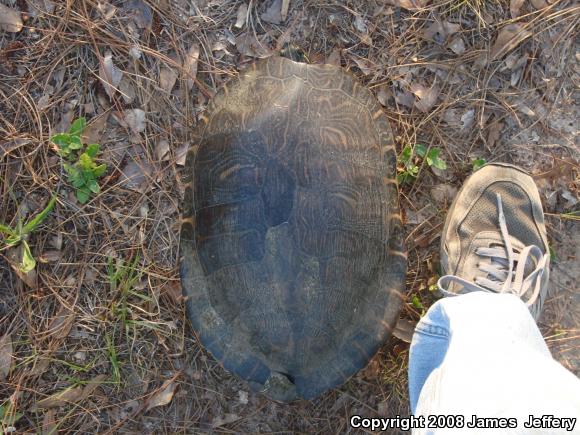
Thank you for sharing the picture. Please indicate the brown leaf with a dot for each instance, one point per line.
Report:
(135, 119)
(539, 4)
(163, 396)
(71, 394)
(443, 193)
(248, 45)
(5, 356)
(167, 78)
(127, 90)
(515, 6)
(226, 419)
(457, 45)
(274, 13)
(68, 395)
(92, 385)
(364, 65)
(410, 5)
(62, 322)
(334, 57)
(10, 20)
(94, 131)
(509, 38)
(427, 96)
(405, 329)
(190, 65)
(136, 176)
(51, 256)
(181, 154)
(493, 133)
(140, 12)
(440, 30)
(162, 149)
(173, 290)
(49, 422)
(109, 74)
(284, 9)
(242, 16)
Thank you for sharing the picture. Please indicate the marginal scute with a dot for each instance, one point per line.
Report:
(292, 258)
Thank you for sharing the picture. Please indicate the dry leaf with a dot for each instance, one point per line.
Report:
(181, 154)
(68, 395)
(43, 102)
(109, 74)
(248, 45)
(71, 394)
(404, 330)
(5, 356)
(94, 132)
(404, 98)
(457, 45)
(135, 119)
(284, 9)
(135, 52)
(51, 256)
(515, 6)
(136, 176)
(411, 5)
(364, 64)
(440, 30)
(494, 133)
(10, 20)
(162, 149)
(163, 396)
(467, 119)
(62, 322)
(509, 38)
(49, 422)
(273, 14)
(140, 12)
(127, 90)
(539, 4)
(360, 24)
(443, 193)
(92, 385)
(427, 96)
(242, 16)
(383, 95)
(190, 65)
(243, 397)
(334, 57)
(226, 419)
(167, 79)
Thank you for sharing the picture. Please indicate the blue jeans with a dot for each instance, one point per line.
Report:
(481, 354)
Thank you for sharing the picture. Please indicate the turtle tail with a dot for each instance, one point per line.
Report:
(279, 387)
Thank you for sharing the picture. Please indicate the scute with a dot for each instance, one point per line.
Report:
(292, 259)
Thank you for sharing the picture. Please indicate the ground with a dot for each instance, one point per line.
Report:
(94, 338)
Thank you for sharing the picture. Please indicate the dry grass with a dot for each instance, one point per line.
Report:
(103, 314)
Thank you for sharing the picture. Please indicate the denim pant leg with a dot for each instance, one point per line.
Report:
(482, 354)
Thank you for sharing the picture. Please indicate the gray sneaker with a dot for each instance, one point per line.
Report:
(494, 238)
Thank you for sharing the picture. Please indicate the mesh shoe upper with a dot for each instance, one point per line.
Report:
(477, 253)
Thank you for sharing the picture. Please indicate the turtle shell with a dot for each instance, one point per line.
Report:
(291, 251)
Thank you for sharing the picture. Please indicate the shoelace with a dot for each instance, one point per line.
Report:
(505, 278)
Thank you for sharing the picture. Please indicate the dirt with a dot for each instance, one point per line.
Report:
(101, 319)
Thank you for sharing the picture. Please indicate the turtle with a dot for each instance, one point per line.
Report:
(292, 260)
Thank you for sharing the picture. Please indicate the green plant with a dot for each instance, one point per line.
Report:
(478, 163)
(8, 417)
(412, 158)
(19, 235)
(84, 171)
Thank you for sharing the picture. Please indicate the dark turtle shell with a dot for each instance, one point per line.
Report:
(292, 258)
